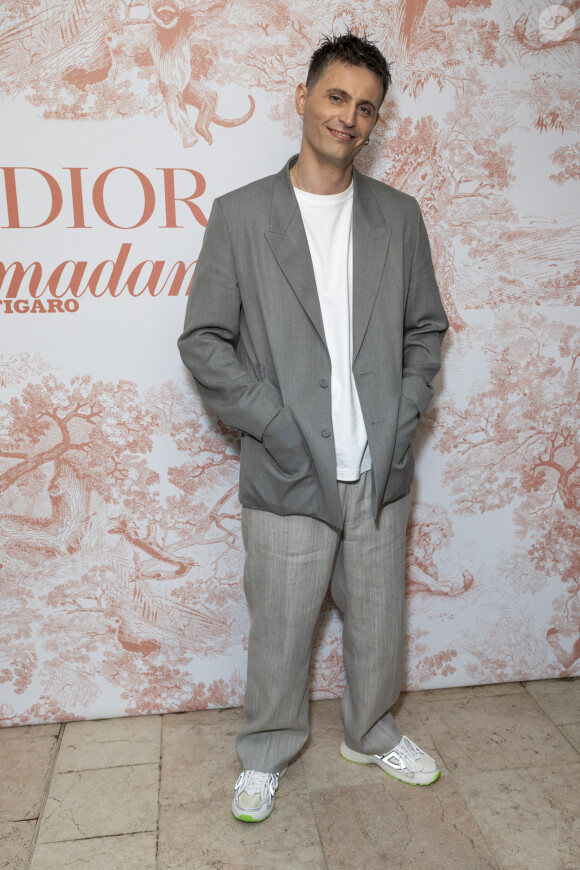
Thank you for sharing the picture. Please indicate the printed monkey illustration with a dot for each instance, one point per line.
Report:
(173, 55)
(89, 45)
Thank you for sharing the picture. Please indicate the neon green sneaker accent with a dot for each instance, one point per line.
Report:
(245, 818)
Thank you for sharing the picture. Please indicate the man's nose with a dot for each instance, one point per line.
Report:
(348, 115)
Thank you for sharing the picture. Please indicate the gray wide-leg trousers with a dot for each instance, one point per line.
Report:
(289, 560)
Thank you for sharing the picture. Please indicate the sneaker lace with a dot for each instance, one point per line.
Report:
(409, 753)
(255, 781)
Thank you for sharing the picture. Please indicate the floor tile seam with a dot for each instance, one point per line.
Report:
(7, 742)
(227, 713)
(97, 837)
(159, 775)
(8, 821)
(40, 817)
(310, 793)
(98, 729)
(419, 694)
(93, 745)
(568, 739)
(109, 767)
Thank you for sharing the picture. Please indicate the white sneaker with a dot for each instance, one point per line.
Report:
(405, 762)
(254, 795)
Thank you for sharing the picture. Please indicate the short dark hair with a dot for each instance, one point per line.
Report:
(352, 50)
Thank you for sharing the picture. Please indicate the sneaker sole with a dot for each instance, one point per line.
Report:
(245, 818)
(359, 758)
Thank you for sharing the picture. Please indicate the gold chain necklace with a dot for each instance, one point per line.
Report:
(295, 176)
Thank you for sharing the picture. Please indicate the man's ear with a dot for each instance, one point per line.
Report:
(300, 98)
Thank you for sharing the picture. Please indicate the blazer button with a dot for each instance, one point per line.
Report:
(326, 433)
(323, 383)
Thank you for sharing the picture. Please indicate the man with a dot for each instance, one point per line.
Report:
(314, 327)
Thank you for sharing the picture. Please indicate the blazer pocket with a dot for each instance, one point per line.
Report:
(406, 425)
(284, 442)
(281, 489)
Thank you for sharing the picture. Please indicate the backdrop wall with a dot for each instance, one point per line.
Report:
(121, 557)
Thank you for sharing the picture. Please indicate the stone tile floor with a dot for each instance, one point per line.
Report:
(154, 793)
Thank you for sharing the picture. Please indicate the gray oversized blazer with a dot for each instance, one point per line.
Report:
(254, 292)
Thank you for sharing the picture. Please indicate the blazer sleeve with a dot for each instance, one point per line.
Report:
(210, 337)
(425, 324)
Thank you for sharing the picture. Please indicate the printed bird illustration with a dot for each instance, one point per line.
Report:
(132, 643)
(63, 35)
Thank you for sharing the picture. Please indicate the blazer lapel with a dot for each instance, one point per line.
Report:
(289, 245)
(371, 233)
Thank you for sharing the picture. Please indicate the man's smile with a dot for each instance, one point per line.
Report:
(340, 134)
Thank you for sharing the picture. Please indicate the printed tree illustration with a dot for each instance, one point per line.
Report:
(460, 173)
(568, 158)
(427, 41)
(19, 659)
(429, 534)
(110, 554)
(93, 439)
(542, 39)
(91, 436)
(518, 438)
(213, 452)
(422, 39)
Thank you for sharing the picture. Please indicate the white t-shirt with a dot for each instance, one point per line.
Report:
(328, 224)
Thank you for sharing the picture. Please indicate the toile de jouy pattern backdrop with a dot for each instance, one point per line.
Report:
(120, 550)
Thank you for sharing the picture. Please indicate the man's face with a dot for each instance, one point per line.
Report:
(339, 112)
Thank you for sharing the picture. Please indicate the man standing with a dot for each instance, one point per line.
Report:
(314, 327)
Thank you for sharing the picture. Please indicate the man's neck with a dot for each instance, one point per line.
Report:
(311, 177)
